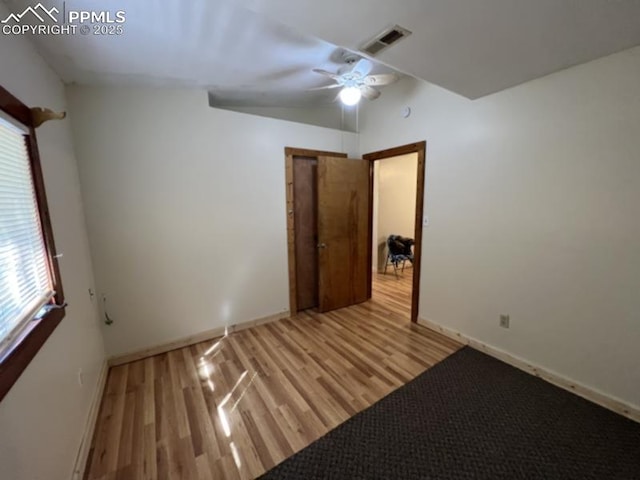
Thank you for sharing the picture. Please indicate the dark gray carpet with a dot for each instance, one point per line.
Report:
(472, 416)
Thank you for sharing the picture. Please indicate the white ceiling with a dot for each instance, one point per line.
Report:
(261, 52)
(472, 47)
(242, 57)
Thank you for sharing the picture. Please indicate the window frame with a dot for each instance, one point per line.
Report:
(35, 335)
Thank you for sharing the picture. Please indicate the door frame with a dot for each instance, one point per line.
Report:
(419, 148)
(289, 153)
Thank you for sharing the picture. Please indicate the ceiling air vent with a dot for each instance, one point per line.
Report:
(385, 39)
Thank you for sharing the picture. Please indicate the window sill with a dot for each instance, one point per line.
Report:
(26, 347)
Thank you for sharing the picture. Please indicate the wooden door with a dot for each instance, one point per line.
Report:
(343, 232)
(305, 180)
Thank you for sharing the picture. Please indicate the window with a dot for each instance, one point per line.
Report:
(31, 299)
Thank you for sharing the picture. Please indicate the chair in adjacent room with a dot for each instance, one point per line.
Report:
(399, 250)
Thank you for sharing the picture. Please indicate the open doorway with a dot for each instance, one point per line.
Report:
(397, 195)
(394, 212)
(330, 228)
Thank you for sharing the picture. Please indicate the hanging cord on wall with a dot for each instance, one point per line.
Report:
(107, 319)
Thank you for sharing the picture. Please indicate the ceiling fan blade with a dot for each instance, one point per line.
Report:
(369, 93)
(362, 67)
(326, 74)
(326, 87)
(381, 79)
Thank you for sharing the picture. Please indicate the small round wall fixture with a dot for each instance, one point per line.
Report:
(406, 112)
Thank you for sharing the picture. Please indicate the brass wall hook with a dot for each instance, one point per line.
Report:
(41, 115)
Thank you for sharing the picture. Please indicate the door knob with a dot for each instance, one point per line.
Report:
(322, 245)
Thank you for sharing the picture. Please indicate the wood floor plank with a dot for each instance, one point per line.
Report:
(125, 446)
(150, 461)
(203, 467)
(106, 456)
(148, 385)
(233, 407)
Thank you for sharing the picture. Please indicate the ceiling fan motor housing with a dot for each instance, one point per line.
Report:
(350, 58)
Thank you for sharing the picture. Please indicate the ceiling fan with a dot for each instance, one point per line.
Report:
(355, 81)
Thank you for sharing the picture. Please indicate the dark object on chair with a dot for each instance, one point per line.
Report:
(398, 250)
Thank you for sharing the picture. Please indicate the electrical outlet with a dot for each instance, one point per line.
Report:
(504, 321)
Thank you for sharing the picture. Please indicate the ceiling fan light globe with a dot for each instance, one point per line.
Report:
(350, 95)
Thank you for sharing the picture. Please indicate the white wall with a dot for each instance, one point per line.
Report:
(394, 202)
(330, 116)
(42, 418)
(534, 207)
(186, 209)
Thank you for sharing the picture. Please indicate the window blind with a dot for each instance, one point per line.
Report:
(25, 281)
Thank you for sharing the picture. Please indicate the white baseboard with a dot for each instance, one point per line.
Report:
(90, 425)
(192, 339)
(602, 399)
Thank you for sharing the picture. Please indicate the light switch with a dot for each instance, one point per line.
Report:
(425, 221)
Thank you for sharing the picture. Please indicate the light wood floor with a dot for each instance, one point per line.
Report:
(236, 406)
